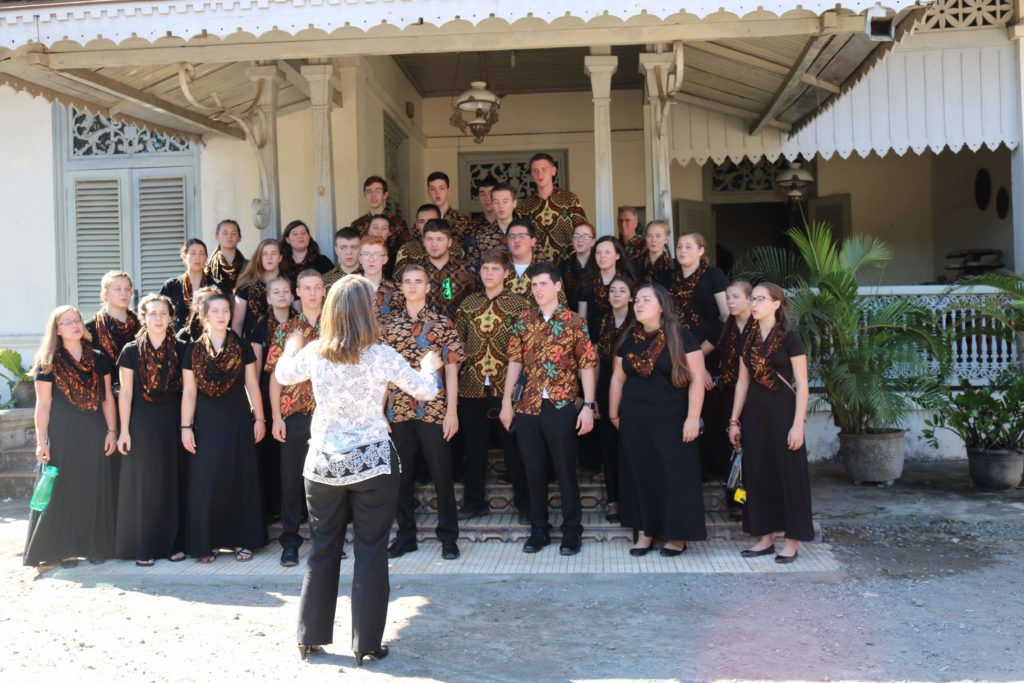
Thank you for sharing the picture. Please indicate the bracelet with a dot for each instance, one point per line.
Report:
(260, 419)
(184, 427)
(734, 423)
(613, 418)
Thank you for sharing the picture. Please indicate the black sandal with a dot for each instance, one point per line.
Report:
(144, 563)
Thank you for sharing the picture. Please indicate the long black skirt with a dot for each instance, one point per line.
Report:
(148, 503)
(660, 489)
(79, 521)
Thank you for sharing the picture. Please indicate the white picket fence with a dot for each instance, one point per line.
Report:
(978, 358)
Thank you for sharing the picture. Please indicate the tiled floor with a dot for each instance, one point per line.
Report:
(611, 557)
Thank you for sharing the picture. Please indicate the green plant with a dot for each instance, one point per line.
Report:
(10, 361)
(989, 417)
(876, 360)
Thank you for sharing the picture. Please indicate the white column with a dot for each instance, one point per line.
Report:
(267, 208)
(659, 203)
(600, 68)
(319, 77)
(1017, 166)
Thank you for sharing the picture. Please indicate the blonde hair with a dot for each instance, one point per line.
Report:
(107, 280)
(254, 268)
(51, 342)
(348, 324)
(144, 305)
(658, 223)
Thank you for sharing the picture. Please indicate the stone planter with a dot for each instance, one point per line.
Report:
(24, 395)
(873, 458)
(993, 470)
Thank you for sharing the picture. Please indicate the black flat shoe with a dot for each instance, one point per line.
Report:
(97, 560)
(786, 559)
(671, 552)
(306, 650)
(757, 553)
(375, 654)
(69, 562)
(640, 552)
(399, 548)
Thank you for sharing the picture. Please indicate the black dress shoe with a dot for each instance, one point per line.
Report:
(469, 513)
(536, 542)
(757, 553)
(786, 559)
(373, 654)
(640, 552)
(399, 547)
(449, 550)
(289, 557)
(571, 544)
(671, 552)
(97, 560)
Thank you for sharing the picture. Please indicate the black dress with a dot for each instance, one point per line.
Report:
(659, 475)
(224, 505)
(79, 521)
(777, 480)
(148, 507)
(174, 290)
(319, 263)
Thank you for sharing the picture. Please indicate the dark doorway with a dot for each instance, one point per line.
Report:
(741, 227)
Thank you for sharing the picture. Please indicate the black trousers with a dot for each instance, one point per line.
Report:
(551, 435)
(409, 437)
(293, 494)
(609, 438)
(372, 505)
(477, 421)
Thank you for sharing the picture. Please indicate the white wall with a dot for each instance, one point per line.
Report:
(28, 264)
(959, 224)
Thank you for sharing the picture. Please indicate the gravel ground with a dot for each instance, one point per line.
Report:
(931, 590)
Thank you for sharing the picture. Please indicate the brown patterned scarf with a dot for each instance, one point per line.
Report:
(159, 369)
(682, 291)
(216, 372)
(220, 269)
(112, 334)
(257, 300)
(757, 354)
(644, 360)
(78, 380)
(186, 287)
(730, 345)
(610, 334)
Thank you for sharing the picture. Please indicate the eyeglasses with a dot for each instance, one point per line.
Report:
(583, 236)
(518, 235)
(372, 257)
(70, 323)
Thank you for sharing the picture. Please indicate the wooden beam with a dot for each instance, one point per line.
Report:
(143, 98)
(741, 57)
(787, 92)
(810, 80)
(293, 75)
(426, 38)
(745, 114)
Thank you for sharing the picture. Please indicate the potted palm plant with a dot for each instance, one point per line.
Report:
(19, 382)
(876, 359)
(990, 421)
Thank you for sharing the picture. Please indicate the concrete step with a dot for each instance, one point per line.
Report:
(17, 485)
(18, 459)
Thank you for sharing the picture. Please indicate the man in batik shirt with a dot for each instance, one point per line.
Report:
(484, 190)
(375, 189)
(346, 254)
(484, 323)
(292, 410)
(493, 235)
(629, 235)
(428, 426)
(451, 280)
(554, 211)
(551, 347)
(373, 255)
(438, 189)
(413, 251)
(522, 246)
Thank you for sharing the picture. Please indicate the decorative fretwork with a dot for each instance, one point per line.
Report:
(95, 135)
(746, 175)
(515, 173)
(954, 15)
(978, 358)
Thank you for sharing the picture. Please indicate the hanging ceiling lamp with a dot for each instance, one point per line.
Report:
(475, 110)
(794, 181)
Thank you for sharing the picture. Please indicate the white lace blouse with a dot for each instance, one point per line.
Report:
(349, 439)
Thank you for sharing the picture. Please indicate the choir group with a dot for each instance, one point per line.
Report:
(175, 434)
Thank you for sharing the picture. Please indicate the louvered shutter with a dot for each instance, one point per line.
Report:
(162, 228)
(97, 211)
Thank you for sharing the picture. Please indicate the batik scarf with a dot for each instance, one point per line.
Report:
(78, 380)
(112, 334)
(682, 292)
(216, 373)
(221, 271)
(186, 287)
(730, 345)
(650, 346)
(159, 369)
(757, 354)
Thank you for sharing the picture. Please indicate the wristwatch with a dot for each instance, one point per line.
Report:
(589, 404)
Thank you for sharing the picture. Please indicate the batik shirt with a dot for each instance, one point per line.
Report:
(413, 251)
(485, 326)
(449, 285)
(573, 276)
(634, 246)
(400, 233)
(412, 339)
(555, 218)
(388, 300)
(552, 353)
(487, 236)
(336, 273)
(298, 398)
(462, 225)
(520, 284)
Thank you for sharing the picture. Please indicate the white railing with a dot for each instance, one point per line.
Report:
(978, 358)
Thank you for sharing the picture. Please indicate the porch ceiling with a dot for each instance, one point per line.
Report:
(774, 75)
